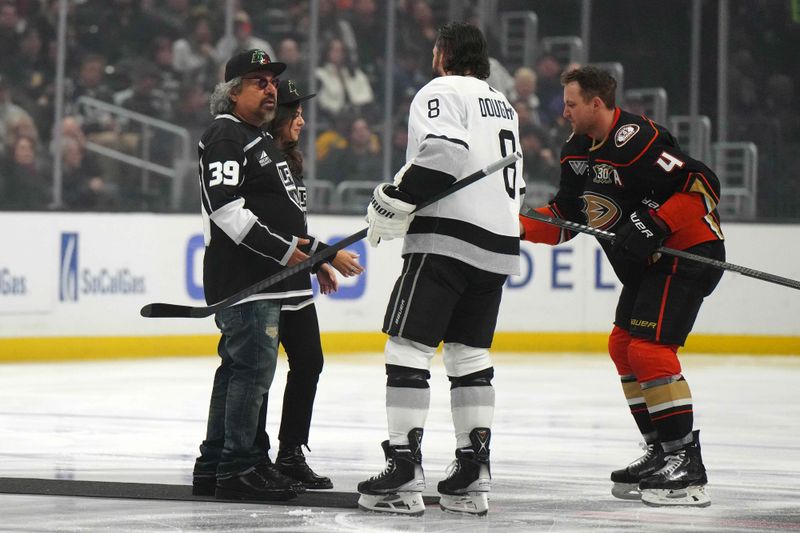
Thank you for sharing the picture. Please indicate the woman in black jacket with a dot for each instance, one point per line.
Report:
(299, 327)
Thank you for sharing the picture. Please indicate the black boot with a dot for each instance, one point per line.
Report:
(292, 463)
(259, 482)
(204, 483)
(626, 480)
(681, 481)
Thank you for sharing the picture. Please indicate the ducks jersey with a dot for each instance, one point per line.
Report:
(637, 166)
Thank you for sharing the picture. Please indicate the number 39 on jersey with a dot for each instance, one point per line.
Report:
(225, 173)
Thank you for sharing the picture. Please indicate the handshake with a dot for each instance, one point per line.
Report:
(388, 214)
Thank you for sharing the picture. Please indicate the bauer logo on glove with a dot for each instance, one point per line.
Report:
(640, 236)
(380, 209)
(388, 214)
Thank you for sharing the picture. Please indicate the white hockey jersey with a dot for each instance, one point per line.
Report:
(459, 125)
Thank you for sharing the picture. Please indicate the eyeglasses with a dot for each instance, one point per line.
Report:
(264, 82)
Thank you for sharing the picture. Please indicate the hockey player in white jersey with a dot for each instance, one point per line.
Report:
(457, 254)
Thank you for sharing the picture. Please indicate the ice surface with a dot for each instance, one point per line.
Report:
(561, 425)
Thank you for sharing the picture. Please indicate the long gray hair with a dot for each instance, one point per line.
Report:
(220, 102)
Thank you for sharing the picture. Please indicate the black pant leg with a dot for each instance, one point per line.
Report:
(300, 339)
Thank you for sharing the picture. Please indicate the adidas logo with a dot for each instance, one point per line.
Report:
(264, 159)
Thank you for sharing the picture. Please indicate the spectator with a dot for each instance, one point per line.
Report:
(541, 163)
(28, 69)
(11, 28)
(23, 126)
(548, 89)
(343, 86)
(525, 114)
(191, 113)
(174, 14)
(367, 24)
(191, 110)
(25, 177)
(144, 96)
(408, 79)
(242, 39)
(118, 29)
(333, 137)
(169, 80)
(418, 32)
(10, 114)
(71, 127)
(92, 84)
(333, 26)
(194, 56)
(360, 160)
(524, 90)
(84, 188)
(399, 143)
(290, 54)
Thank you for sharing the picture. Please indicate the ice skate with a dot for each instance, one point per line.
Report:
(469, 480)
(681, 481)
(398, 489)
(626, 480)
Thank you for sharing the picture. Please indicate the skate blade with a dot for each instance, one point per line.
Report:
(626, 491)
(694, 496)
(402, 503)
(472, 503)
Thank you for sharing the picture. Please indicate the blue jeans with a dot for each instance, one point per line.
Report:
(248, 348)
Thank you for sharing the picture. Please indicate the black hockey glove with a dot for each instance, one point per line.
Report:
(640, 236)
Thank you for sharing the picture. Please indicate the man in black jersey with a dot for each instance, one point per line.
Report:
(253, 224)
(625, 173)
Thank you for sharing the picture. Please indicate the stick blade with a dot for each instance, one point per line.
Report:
(160, 310)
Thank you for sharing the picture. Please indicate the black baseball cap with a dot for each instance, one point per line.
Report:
(251, 61)
(290, 94)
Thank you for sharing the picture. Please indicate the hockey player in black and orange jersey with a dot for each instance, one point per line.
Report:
(624, 173)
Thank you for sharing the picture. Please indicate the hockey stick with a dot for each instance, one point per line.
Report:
(722, 265)
(163, 310)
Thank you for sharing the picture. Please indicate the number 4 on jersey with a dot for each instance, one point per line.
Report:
(669, 162)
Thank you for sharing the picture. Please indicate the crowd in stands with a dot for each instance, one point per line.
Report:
(162, 58)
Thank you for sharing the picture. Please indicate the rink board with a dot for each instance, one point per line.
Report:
(74, 285)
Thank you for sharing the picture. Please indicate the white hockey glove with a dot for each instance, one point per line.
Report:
(387, 215)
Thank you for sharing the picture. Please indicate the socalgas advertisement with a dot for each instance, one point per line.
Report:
(84, 275)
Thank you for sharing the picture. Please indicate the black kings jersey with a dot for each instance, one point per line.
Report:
(637, 166)
(252, 211)
(457, 126)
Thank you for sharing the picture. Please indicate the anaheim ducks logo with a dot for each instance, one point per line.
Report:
(601, 212)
